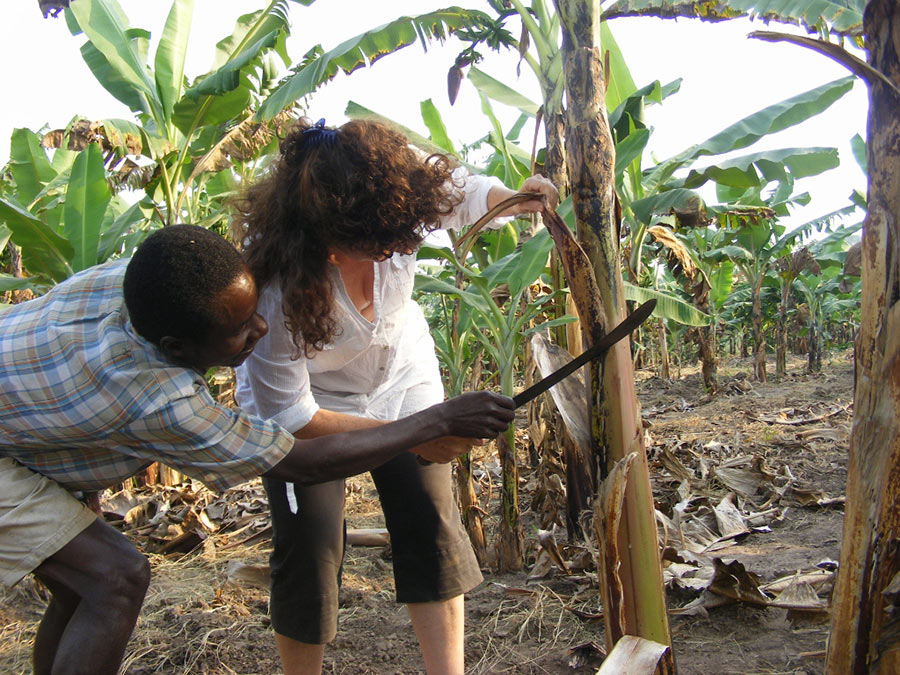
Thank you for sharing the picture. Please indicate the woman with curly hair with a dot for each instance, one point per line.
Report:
(330, 235)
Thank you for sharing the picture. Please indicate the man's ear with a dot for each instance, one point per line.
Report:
(173, 347)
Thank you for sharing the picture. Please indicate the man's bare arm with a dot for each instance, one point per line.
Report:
(325, 422)
(473, 415)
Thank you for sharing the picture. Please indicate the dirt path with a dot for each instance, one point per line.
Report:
(783, 444)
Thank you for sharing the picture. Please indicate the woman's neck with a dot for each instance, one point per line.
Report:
(359, 282)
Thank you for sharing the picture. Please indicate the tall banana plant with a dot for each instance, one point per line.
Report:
(630, 574)
(755, 242)
(818, 282)
(61, 213)
(538, 47)
(178, 121)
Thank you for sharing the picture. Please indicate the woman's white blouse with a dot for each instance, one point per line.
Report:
(370, 365)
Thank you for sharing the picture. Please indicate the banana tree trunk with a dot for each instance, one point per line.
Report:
(555, 156)
(663, 343)
(469, 508)
(578, 476)
(759, 337)
(555, 168)
(866, 614)
(781, 333)
(705, 337)
(510, 555)
(634, 602)
(814, 360)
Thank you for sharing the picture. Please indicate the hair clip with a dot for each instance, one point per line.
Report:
(317, 135)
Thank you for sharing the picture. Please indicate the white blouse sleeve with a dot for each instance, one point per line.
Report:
(270, 383)
(475, 190)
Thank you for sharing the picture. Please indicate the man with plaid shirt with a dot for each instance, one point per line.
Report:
(102, 376)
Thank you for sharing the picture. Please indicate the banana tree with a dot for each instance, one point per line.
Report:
(755, 242)
(819, 284)
(62, 214)
(538, 47)
(705, 282)
(791, 263)
(749, 217)
(179, 122)
(630, 574)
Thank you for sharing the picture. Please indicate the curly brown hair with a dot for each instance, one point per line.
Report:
(360, 188)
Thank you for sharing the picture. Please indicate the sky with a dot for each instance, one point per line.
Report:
(726, 76)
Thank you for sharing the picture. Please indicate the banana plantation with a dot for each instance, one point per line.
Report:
(718, 494)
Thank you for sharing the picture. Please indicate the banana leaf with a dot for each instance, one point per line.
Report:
(44, 252)
(667, 306)
(114, 53)
(500, 92)
(366, 48)
(28, 164)
(10, 283)
(229, 76)
(858, 148)
(522, 267)
(760, 168)
(621, 85)
(843, 16)
(435, 124)
(86, 200)
(168, 68)
(249, 28)
(114, 233)
(663, 202)
(747, 131)
(433, 285)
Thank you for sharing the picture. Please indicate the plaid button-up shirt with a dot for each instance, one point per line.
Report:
(87, 402)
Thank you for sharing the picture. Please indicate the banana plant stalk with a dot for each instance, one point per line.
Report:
(864, 616)
(634, 602)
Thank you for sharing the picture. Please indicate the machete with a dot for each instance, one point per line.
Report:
(632, 321)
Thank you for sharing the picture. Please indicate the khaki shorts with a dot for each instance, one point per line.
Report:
(37, 518)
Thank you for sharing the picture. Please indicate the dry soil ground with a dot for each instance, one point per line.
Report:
(205, 612)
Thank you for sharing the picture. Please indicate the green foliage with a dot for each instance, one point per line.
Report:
(822, 16)
(497, 326)
(72, 220)
(180, 121)
(65, 211)
(668, 306)
(366, 48)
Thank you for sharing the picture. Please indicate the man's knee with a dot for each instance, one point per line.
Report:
(128, 576)
(99, 565)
